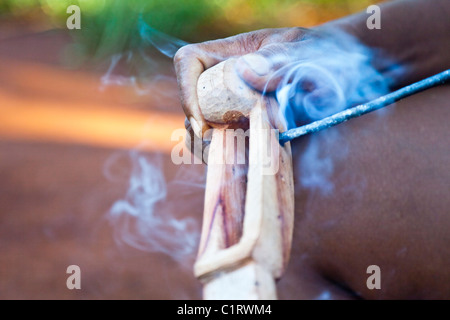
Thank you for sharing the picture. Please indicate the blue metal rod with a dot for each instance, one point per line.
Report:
(362, 109)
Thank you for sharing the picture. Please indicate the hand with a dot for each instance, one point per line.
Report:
(261, 52)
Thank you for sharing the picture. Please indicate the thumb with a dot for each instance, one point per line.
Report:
(259, 69)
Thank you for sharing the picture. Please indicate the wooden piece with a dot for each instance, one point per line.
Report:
(225, 99)
(248, 213)
(224, 195)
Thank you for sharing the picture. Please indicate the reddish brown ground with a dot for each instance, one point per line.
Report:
(57, 131)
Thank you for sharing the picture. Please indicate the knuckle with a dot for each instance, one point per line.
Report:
(275, 49)
(254, 40)
(183, 53)
(298, 33)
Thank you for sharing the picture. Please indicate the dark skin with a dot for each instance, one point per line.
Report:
(389, 205)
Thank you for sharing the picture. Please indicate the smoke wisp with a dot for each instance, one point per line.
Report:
(148, 217)
(330, 73)
(151, 215)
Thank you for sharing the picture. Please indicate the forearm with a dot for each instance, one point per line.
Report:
(414, 34)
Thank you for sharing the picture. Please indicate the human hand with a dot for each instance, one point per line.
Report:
(314, 72)
(261, 53)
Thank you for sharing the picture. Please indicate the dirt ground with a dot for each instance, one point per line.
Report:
(58, 132)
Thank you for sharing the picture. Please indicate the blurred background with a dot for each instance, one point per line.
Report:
(82, 114)
(111, 26)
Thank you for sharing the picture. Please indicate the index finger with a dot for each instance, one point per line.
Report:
(191, 60)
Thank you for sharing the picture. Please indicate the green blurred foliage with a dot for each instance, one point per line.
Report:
(111, 26)
(116, 27)
(178, 17)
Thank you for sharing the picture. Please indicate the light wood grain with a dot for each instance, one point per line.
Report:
(225, 99)
(248, 213)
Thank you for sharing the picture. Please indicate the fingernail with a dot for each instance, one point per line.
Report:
(196, 127)
(207, 135)
(257, 63)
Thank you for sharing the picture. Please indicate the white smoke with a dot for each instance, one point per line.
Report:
(147, 218)
(164, 43)
(330, 73)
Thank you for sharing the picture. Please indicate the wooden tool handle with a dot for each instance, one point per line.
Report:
(224, 98)
(249, 205)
